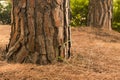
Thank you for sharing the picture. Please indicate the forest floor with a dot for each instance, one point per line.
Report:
(95, 56)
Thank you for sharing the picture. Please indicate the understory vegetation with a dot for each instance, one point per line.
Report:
(5, 13)
(79, 10)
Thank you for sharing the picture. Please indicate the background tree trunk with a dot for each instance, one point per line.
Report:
(100, 13)
(40, 31)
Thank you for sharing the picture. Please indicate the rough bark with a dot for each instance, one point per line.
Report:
(40, 31)
(100, 13)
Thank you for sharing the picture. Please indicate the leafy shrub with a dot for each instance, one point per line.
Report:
(5, 13)
(79, 10)
(116, 15)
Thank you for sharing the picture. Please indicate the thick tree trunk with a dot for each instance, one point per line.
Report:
(100, 13)
(40, 31)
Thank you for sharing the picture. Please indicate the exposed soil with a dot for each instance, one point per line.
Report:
(95, 56)
(4, 35)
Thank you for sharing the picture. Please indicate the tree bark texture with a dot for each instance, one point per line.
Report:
(100, 14)
(40, 31)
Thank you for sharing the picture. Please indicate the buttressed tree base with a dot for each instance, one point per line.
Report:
(40, 31)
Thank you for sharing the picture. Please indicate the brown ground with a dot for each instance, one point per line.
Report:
(4, 35)
(96, 56)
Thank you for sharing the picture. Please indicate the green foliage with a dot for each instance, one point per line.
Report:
(5, 13)
(79, 10)
(116, 15)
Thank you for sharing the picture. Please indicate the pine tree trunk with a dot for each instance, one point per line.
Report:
(100, 14)
(40, 31)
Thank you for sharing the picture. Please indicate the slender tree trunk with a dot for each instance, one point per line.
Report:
(100, 13)
(40, 31)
